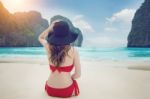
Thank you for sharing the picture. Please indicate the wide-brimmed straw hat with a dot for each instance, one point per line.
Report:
(61, 34)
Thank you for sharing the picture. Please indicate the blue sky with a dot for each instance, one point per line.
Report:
(108, 21)
(104, 23)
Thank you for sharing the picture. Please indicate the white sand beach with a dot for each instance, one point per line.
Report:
(24, 78)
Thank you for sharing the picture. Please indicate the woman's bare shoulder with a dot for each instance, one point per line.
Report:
(73, 51)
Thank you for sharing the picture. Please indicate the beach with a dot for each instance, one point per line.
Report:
(113, 43)
(24, 78)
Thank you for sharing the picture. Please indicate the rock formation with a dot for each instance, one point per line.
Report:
(139, 35)
(20, 29)
(79, 40)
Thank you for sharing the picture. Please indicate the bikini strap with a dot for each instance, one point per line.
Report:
(61, 69)
(76, 87)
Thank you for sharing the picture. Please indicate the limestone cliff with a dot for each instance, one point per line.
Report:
(139, 35)
(20, 29)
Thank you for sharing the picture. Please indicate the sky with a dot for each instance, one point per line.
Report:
(104, 23)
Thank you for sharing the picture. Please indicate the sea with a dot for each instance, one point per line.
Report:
(89, 53)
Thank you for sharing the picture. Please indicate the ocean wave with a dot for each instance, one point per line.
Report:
(120, 53)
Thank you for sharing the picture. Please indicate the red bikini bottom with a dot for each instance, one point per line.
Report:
(62, 92)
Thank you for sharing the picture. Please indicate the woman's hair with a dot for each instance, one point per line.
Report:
(58, 53)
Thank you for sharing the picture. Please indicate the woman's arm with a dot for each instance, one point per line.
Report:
(43, 35)
(43, 41)
(77, 65)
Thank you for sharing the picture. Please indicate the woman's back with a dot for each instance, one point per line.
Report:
(62, 79)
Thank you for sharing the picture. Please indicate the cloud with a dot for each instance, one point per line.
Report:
(116, 29)
(110, 29)
(120, 22)
(82, 24)
(124, 15)
(105, 41)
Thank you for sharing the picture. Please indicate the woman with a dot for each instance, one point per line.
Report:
(62, 58)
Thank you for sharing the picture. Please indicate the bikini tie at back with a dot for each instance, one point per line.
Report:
(61, 68)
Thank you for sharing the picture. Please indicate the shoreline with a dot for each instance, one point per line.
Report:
(130, 64)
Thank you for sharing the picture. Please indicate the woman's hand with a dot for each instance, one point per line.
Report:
(50, 28)
(44, 34)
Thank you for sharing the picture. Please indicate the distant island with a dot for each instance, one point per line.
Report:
(139, 35)
(22, 29)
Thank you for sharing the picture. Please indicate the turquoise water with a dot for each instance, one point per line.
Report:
(85, 53)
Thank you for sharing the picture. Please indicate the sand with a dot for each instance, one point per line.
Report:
(24, 78)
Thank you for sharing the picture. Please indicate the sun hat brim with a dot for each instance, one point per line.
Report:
(65, 40)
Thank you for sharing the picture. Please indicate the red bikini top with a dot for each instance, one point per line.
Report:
(62, 68)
